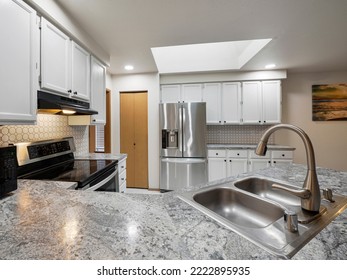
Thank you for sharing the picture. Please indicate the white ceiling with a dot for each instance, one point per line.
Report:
(307, 35)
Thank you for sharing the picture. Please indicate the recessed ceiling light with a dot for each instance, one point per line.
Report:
(269, 66)
(129, 67)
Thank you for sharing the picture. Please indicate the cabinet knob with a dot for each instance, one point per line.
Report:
(238, 154)
(229, 160)
(220, 121)
(69, 91)
(225, 121)
(264, 121)
(283, 155)
(225, 160)
(75, 92)
(259, 121)
(216, 154)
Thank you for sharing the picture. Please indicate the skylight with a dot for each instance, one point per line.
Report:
(206, 57)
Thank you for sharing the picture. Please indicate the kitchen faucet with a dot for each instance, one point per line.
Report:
(310, 192)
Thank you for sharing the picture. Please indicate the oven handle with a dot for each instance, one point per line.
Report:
(100, 184)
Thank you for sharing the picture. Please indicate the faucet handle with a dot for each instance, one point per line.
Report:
(290, 220)
(328, 194)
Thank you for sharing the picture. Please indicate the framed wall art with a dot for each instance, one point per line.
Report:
(329, 102)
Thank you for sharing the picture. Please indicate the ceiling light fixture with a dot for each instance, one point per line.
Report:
(129, 67)
(270, 66)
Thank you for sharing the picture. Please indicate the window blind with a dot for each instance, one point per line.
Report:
(99, 138)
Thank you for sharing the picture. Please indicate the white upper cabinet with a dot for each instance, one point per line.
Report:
(170, 93)
(181, 93)
(55, 59)
(80, 81)
(19, 56)
(98, 91)
(213, 98)
(261, 102)
(272, 101)
(65, 66)
(191, 93)
(231, 103)
(251, 103)
(222, 102)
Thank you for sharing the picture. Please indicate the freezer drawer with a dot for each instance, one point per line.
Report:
(177, 173)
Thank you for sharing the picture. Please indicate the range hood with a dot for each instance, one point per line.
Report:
(48, 103)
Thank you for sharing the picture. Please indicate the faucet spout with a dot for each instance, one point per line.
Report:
(310, 195)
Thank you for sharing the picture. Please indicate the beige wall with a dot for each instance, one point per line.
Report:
(328, 138)
(139, 82)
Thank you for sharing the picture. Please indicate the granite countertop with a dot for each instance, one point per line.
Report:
(247, 147)
(118, 157)
(46, 220)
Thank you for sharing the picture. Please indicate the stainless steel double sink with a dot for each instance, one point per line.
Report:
(253, 209)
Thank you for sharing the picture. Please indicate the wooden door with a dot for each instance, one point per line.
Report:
(134, 137)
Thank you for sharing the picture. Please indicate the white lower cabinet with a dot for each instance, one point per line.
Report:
(122, 165)
(237, 162)
(281, 158)
(224, 163)
(258, 162)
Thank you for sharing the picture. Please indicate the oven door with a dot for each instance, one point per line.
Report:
(107, 183)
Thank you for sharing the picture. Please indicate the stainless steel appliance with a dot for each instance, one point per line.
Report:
(54, 160)
(8, 170)
(182, 145)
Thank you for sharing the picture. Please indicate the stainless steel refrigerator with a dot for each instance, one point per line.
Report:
(183, 159)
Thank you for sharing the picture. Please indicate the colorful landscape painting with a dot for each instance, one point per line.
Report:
(329, 102)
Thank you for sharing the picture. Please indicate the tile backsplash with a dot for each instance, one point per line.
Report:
(47, 127)
(236, 134)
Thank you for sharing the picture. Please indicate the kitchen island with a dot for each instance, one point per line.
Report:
(46, 220)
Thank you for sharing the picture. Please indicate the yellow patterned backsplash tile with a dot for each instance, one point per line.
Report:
(47, 127)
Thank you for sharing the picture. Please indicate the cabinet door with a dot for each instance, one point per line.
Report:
(237, 166)
(271, 91)
(216, 169)
(281, 162)
(251, 103)
(55, 59)
(212, 96)
(98, 90)
(256, 164)
(231, 99)
(170, 93)
(80, 82)
(19, 56)
(191, 93)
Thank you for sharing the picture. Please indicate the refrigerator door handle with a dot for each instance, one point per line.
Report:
(180, 132)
